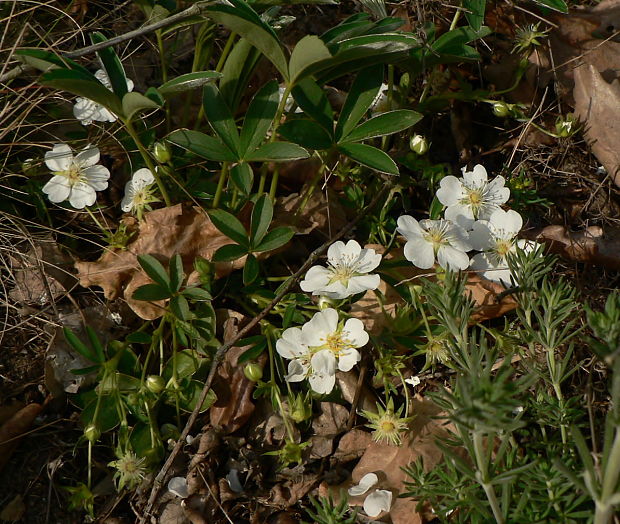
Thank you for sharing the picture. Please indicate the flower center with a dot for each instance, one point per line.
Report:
(474, 199)
(503, 247)
(343, 270)
(336, 343)
(437, 236)
(73, 174)
(388, 426)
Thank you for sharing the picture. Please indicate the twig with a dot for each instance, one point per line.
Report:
(219, 354)
(194, 10)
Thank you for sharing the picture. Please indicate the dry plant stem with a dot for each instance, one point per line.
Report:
(221, 351)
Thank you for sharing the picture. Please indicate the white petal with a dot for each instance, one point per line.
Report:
(178, 487)
(459, 238)
(103, 77)
(233, 481)
(336, 290)
(322, 383)
(82, 195)
(368, 260)
(59, 158)
(363, 283)
(89, 156)
(420, 253)
(97, 177)
(460, 214)
(57, 189)
(450, 190)
(452, 258)
(413, 381)
(351, 250)
(508, 222)
(130, 85)
(291, 344)
(316, 279)
(500, 194)
(353, 331)
(323, 361)
(480, 236)
(296, 371)
(142, 178)
(477, 177)
(366, 482)
(409, 227)
(334, 253)
(319, 326)
(84, 109)
(377, 502)
(347, 359)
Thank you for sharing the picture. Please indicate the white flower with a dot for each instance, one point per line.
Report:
(320, 347)
(137, 191)
(496, 237)
(430, 239)
(346, 273)
(471, 197)
(178, 486)
(413, 381)
(366, 482)
(87, 111)
(378, 501)
(75, 178)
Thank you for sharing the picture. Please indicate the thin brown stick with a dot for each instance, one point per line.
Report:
(219, 354)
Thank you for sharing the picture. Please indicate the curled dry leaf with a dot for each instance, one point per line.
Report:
(12, 430)
(164, 232)
(591, 245)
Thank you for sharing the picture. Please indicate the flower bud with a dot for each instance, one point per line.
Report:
(29, 167)
(155, 384)
(418, 144)
(253, 372)
(565, 127)
(161, 151)
(92, 433)
(501, 109)
(325, 303)
(300, 407)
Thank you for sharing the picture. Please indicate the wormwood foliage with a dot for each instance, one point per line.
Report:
(222, 138)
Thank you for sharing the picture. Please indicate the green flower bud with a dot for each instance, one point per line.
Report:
(155, 384)
(567, 126)
(501, 109)
(29, 167)
(418, 144)
(92, 433)
(161, 151)
(253, 372)
(300, 407)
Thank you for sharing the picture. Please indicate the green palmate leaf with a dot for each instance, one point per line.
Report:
(306, 133)
(361, 95)
(177, 275)
(370, 156)
(259, 117)
(250, 270)
(196, 293)
(243, 20)
(179, 307)
(260, 343)
(237, 70)
(312, 99)
(112, 65)
(44, 61)
(262, 213)
(230, 226)
(557, 5)
(188, 82)
(79, 346)
(384, 124)
(474, 12)
(150, 292)
(153, 268)
(84, 85)
(275, 239)
(229, 252)
(277, 152)
(243, 177)
(220, 118)
(139, 337)
(202, 145)
(135, 103)
(308, 51)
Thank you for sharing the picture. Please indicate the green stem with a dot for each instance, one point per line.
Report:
(220, 185)
(482, 476)
(226, 51)
(455, 20)
(274, 132)
(148, 161)
(612, 469)
(407, 399)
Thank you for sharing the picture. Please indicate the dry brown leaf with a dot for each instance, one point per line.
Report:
(597, 103)
(287, 493)
(328, 425)
(12, 430)
(591, 245)
(234, 404)
(164, 232)
(352, 445)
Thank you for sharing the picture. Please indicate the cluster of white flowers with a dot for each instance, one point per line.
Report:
(473, 220)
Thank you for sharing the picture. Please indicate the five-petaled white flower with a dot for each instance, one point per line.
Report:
(320, 347)
(430, 239)
(346, 274)
(496, 237)
(471, 197)
(138, 193)
(76, 178)
(87, 111)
